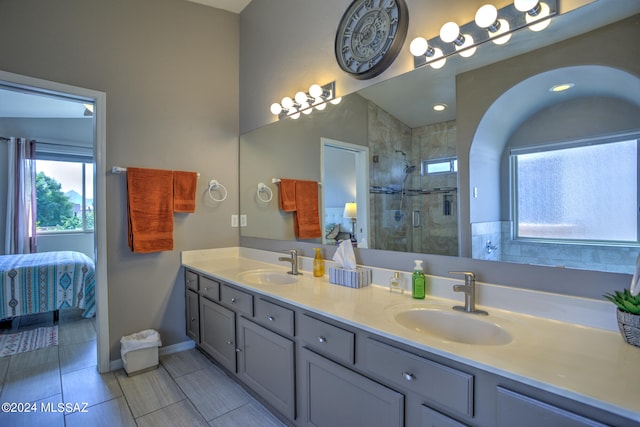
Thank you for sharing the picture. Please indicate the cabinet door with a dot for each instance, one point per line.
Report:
(193, 315)
(218, 333)
(336, 396)
(266, 364)
(518, 409)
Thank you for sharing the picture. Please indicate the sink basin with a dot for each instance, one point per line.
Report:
(268, 277)
(453, 326)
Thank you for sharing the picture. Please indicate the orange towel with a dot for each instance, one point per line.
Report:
(287, 195)
(184, 191)
(306, 219)
(150, 210)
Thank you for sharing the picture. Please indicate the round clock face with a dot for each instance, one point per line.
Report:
(370, 36)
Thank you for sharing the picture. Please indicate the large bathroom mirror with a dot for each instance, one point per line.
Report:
(441, 182)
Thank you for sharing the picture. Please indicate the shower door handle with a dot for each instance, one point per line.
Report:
(415, 219)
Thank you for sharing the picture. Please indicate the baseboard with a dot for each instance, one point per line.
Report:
(114, 365)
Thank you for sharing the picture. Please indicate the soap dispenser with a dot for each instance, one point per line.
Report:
(318, 264)
(418, 281)
(395, 283)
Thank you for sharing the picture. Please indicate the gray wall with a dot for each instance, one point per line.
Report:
(170, 71)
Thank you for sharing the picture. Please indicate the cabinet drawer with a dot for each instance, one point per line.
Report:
(524, 411)
(446, 386)
(431, 418)
(273, 316)
(328, 339)
(191, 280)
(209, 288)
(238, 300)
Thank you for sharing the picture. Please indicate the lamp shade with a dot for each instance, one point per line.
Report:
(350, 210)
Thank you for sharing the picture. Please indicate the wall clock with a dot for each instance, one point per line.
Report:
(370, 36)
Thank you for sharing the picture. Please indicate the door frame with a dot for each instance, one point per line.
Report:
(362, 182)
(99, 99)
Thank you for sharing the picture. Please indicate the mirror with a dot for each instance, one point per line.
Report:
(411, 210)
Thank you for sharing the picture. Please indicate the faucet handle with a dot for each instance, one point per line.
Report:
(469, 274)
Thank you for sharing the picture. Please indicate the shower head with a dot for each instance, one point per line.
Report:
(402, 152)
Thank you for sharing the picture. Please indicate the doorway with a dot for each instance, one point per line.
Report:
(345, 178)
(47, 89)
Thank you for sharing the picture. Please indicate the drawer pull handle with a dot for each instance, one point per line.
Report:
(233, 300)
(322, 339)
(193, 319)
(238, 350)
(271, 318)
(206, 289)
(408, 376)
(230, 342)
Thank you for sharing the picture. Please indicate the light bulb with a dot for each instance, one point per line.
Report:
(307, 109)
(276, 108)
(336, 101)
(315, 91)
(300, 97)
(544, 12)
(486, 16)
(295, 116)
(504, 28)
(303, 106)
(435, 62)
(468, 41)
(525, 5)
(418, 46)
(286, 103)
(449, 32)
(321, 107)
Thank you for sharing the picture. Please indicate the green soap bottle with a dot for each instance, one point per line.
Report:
(418, 281)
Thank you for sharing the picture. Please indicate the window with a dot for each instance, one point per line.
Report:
(584, 191)
(64, 189)
(437, 166)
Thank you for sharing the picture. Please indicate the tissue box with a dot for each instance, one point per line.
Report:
(358, 278)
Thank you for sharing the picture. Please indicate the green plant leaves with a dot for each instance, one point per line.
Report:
(625, 301)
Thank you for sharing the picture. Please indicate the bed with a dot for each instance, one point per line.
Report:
(47, 281)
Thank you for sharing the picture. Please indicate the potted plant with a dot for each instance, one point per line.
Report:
(628, 315)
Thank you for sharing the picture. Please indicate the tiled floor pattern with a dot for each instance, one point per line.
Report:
(62, 387)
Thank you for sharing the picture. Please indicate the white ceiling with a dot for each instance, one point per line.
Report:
(235, 6)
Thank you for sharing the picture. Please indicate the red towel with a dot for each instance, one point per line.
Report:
(150, 210)
(306, 219)
(287, 195)
(184, 191)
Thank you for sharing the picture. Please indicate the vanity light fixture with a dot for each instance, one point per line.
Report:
(304, 102)
(490, 24)
(487, 17)
(450, 33)
(535, 11)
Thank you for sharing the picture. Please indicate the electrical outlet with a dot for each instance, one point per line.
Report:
(234, 220)
(243, 220)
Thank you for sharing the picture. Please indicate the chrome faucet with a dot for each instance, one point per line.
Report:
(293, 259)
(469, 289)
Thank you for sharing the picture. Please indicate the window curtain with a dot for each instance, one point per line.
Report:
(20, 234)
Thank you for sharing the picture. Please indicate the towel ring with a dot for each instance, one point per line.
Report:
(263, 188)
(215, 185)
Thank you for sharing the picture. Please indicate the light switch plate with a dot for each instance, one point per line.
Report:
(234, 220)
(243, 220)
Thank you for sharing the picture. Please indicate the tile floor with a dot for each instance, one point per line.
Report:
(186, 389)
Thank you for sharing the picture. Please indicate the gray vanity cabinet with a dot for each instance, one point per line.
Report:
(266, 363)
(316, 371)
(193, 315)
(218, 333)
(337, 396)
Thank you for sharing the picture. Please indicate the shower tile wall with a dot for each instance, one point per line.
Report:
(392, 225)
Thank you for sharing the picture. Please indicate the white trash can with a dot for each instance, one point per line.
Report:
(139, 351)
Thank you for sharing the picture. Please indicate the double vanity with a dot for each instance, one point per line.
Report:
(319, 354)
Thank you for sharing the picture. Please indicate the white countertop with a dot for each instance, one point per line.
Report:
(588, 364)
